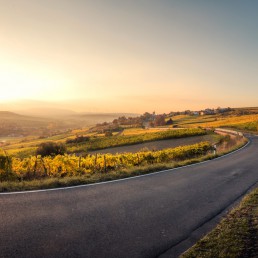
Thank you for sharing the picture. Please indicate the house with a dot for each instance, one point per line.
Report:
(195, 113)
(207, 111)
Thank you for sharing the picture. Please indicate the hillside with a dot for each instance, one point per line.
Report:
(7, 115)
(13, 124)
(49, 121)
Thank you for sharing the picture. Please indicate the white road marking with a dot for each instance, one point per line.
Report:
(123, 179)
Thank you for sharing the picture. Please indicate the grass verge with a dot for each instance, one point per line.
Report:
(48, 183)
(235, 236)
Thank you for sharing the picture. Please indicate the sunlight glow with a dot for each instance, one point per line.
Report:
(20, 83)
(131, 56)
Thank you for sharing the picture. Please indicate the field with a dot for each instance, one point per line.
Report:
(136, 131)
(14, 144)
(241, 122)
(26, 147)
(99, 143)
(192, 121)
(212, 138)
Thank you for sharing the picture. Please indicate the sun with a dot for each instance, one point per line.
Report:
(21, 82)
(15, 84)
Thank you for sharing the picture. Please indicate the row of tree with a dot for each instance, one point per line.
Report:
(145, 120)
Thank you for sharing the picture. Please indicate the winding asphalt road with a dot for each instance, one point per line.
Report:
(140, 217)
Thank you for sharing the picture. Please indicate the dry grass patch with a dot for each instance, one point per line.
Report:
(235, 236)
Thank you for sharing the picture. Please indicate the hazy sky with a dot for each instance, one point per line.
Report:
(130, 56)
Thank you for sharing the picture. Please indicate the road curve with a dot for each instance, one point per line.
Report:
(139, 217)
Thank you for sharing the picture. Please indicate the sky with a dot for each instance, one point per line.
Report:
(129, 56)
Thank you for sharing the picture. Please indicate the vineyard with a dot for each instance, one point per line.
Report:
(25, 148)
(36, 167)
(243, 122)
(122, 140)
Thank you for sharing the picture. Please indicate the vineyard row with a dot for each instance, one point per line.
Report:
(72, 165)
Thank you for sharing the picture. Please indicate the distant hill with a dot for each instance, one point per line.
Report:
(12, 116)
(8, 114)
(103, 117)
(50, 121)
(13, 124)
(48, 112)
(70, 114)
(74, 118)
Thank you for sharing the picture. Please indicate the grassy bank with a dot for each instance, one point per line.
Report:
(235, 236)
(87, 178)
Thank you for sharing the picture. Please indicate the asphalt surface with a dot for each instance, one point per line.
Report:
(140, 217)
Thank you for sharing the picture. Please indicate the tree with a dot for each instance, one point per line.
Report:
(108, 133)
(50, 149)
(78, 139)
(159, 120)
(6, 167)
(169, 122)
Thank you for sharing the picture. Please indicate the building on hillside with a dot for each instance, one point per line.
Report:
(195, 113)
(207, 111)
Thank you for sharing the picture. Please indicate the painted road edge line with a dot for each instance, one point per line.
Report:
(123, 179)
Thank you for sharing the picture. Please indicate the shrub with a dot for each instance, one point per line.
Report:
(50, 149)
(78, 139)
(5, 168)
(108, 134)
